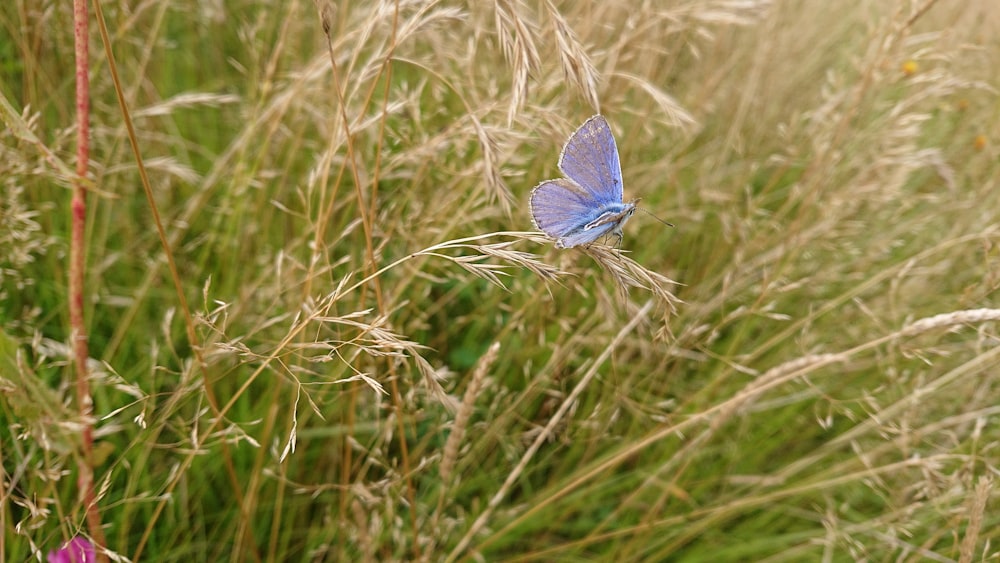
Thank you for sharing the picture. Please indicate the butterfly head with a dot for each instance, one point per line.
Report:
(632, 205)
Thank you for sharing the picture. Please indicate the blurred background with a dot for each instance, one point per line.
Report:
(386, 366)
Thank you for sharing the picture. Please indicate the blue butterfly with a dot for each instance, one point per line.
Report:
(587, 204)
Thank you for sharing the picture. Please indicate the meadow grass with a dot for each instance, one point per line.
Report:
(372, 358)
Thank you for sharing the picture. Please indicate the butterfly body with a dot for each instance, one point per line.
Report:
(588, 203)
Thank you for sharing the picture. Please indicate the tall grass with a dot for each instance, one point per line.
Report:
(383, 364)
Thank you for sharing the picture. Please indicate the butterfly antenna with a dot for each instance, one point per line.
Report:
(655, 217)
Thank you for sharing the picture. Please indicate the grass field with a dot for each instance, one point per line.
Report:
(372, 357)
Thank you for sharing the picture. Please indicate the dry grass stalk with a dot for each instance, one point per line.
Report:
(451, 447)
(557, 418)
(576, 63)
(977, 512)
(517, 38)
(628, 273)
(945, 320)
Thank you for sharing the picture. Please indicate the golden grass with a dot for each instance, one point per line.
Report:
(803, 369)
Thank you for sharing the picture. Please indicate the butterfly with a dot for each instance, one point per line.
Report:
(587, 204)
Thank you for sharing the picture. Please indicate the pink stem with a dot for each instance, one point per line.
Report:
(78, 331)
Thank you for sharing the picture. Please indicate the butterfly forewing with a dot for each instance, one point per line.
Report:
(590, 158)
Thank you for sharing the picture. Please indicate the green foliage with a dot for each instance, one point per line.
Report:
(825, 387)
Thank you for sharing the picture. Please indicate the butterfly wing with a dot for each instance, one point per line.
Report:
(587, 236)
(590, 158)
(560, 207)
(609, 221)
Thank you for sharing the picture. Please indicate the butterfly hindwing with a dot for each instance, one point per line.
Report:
(560, 206)
(562, 210)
